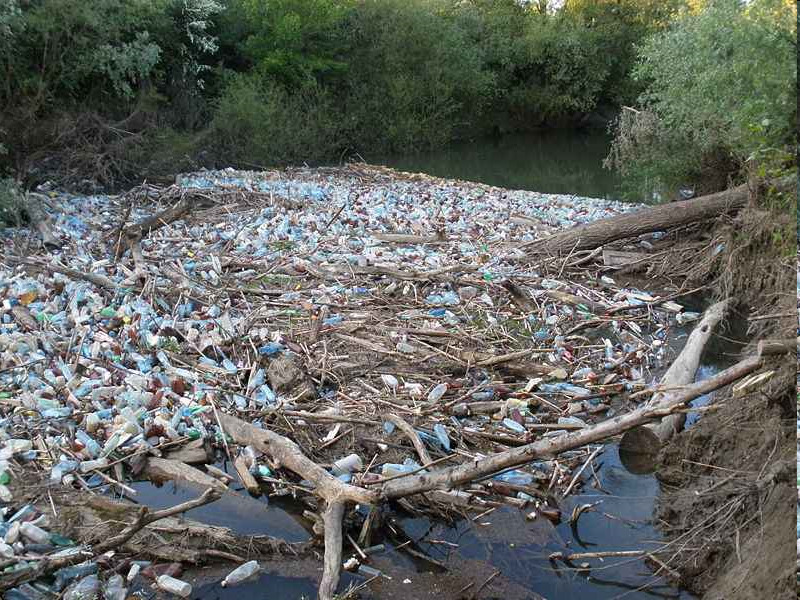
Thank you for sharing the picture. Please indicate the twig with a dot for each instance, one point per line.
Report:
(583, 467)
(413, 436)
(142, 520)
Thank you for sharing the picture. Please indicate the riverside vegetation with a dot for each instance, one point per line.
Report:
(111, 92)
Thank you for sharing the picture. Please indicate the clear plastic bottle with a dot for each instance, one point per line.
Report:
(85, 589)
(115, 588)
(174, 586)
(241, 573)
(348, 464)
(437, 392)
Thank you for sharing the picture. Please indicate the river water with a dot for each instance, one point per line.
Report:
(554, 162)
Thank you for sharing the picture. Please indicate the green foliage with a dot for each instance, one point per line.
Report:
(721, 87)
(297, 42)
(414, 76)
(262, 82)
(10, 202)
(258, 123)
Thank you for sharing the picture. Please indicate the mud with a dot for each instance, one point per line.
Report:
(728, 492)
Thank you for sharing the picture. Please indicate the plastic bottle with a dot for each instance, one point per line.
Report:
(34, 533)
(91, 465)
(348, 464)
(133, 572)
(67, 574)
(85, 589)
(513, 425)
(12, 534)
(6, 551)
(115, 588)
(441, 434)
(174, 586)
(241, 573)
(515, 477)
(392, 469)
(437, 392)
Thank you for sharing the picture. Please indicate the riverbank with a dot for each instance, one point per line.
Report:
(728, 481)
(378, 325)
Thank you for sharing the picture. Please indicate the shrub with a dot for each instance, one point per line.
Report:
(10, 202)
(721, 94)
(258, 122)
(415, 77)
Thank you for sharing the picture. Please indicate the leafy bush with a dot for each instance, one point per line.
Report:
(721, 95)
(10, 202)
(259, 123)
(415, 78)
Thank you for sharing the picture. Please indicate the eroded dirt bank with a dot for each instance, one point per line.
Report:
(728, 500)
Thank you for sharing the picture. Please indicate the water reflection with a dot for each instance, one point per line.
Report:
(557, 162)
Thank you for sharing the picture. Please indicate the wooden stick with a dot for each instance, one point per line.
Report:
(332, 561)
(578, 473)
(567, 557)
(412, 435)
(650, 438)
(458, 475)
(142, 520)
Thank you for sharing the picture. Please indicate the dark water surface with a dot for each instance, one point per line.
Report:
(557, 162)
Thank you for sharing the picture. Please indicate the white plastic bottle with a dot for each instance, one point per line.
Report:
(174, 586)
(348, 464)
(241, 573)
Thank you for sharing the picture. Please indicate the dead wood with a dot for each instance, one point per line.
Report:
(648, 439)
(657, 218)
(335, 493)
(545, 448)
(143, 519)
(411, 435)
(162, 469)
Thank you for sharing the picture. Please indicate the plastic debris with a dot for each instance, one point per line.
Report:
(241, 573)
(275, 304)
(175, 586)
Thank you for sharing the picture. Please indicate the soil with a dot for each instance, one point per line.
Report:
(728, 481)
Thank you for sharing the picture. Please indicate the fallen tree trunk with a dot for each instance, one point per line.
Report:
(335, 493)
(657, 218)
(649, 438)
(549, 447)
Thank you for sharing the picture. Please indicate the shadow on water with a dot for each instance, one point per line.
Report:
(519, 548)
(621, 518)
(555, 162)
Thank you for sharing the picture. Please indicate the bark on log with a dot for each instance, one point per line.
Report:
(647, 220)
(288, 454)
(332, 560)
(335, 493)
(162, 469)
(545, 448)
(649, 438)
(419, 446)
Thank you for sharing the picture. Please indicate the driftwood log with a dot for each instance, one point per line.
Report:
(143, 518)
(335, 494)
(656, 218)
(649, 438)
